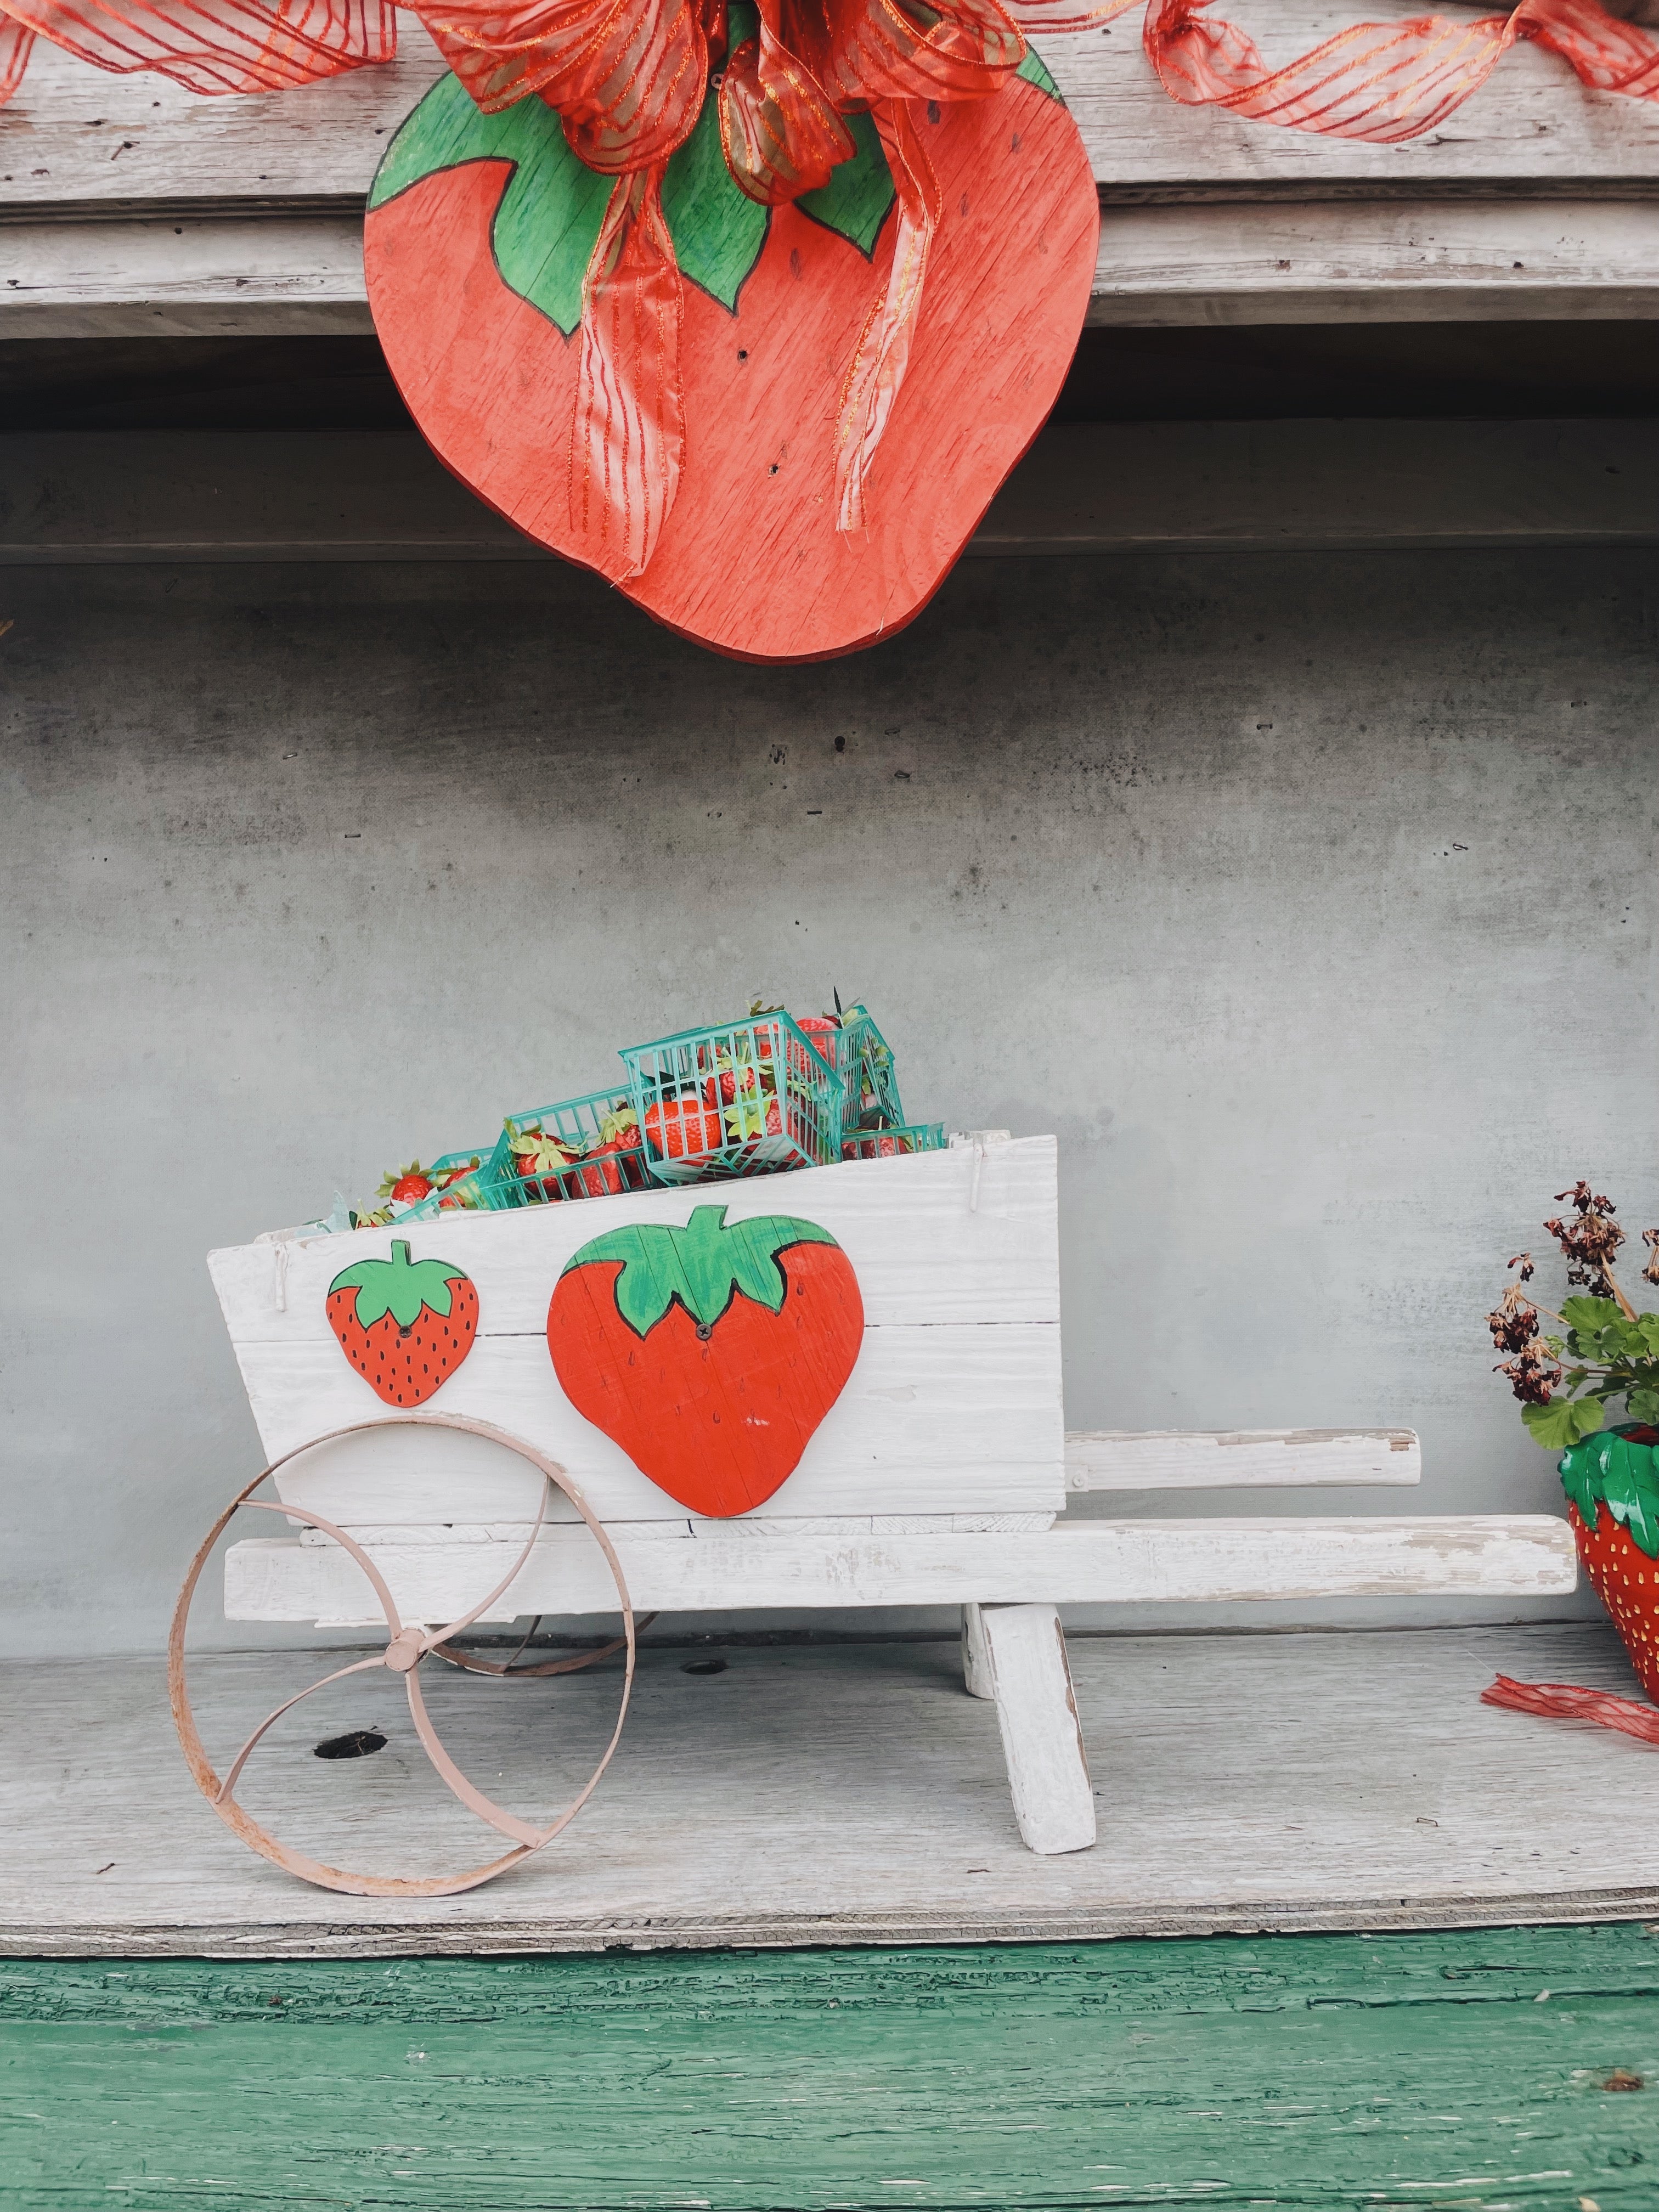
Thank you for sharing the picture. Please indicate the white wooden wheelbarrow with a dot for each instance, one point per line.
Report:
(939, 1474)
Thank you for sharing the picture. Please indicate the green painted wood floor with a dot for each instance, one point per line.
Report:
(1466, 2071)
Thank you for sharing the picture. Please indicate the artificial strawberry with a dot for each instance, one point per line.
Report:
(405, 1325)
(541, 1160)
(614, 1162)
(710, 1354)
(680, 1128)
(405, 1186)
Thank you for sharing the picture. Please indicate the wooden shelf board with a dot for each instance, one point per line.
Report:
(847, 1794)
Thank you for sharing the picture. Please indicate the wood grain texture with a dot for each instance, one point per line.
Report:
(850, 1794)
(76, 138)
(1304, 2073)
(1309, 2072)
(1041, 1736)
(1098, 1562)
(1240, 1459)
(1165, 265)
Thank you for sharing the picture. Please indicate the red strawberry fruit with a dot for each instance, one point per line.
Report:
(710, 1354)
(405, 1325)
(406, 1186)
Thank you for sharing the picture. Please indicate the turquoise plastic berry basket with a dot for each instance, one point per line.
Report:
(742, 1098)
(578, 1123)
(466, 1188)
(889, 1143)
(864, 1060)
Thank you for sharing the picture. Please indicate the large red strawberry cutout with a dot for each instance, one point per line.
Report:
(405, 1325)
(709, 1353)
(479, 231)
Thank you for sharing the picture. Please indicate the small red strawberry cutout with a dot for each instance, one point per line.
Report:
(405, 1325)
(710, 1354)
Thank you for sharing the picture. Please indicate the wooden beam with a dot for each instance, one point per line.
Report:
(1095, 1563)
(300, 273)
(117, 496)
(74, 139)
(1240, 1459)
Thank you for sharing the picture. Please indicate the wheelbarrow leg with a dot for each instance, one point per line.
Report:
(975, 1659)
(1036, 1711)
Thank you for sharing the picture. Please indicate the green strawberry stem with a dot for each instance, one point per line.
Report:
(398, 1286)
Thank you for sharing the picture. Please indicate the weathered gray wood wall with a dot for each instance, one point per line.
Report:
(1309, 898)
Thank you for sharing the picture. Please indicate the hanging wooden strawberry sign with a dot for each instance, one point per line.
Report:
(710, 1354)
(768, 381)
(405, 1325)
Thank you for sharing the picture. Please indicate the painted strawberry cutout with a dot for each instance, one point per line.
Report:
(709, 1353)
(405, 1325)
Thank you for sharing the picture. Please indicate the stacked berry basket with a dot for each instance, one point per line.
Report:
(755, 1096)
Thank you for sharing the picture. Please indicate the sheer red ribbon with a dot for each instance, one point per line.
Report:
(629, 79)
(1563, 1701)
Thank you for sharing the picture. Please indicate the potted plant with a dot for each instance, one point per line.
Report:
(1600, 1351)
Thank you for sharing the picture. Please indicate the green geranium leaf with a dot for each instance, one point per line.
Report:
(1643, 1404)
(398, 1286)
(1562, 1422)
(702, 1266)
(1588, 1314)
(1647, 1326)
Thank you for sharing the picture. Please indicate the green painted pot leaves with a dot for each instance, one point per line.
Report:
(549, 214)
(1613, 1469)
(704, 1265)
(398, 1286)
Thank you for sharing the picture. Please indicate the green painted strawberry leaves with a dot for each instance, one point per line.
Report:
(704, 1265)
(551, 208)
(398, 1286)
(1613, 1469)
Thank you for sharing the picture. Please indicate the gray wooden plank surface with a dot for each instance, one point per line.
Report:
(851, 1794)
(1169, 487)
(73, 137)
(300, 273)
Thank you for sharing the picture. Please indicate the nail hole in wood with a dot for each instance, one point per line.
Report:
(704, 1667)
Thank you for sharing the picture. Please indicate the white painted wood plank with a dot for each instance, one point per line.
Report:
(1095, 1563)
(931, 1420)
(1240, 1459)
(844, 1794)
(977, 1678)
(76, 138)
(1156, 487)
(922, 1250)
(1041, 1737)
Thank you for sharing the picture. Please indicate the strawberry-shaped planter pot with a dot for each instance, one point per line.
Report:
(479, 232)
(710, 1354)
(405, 1325)
(1612, 1482)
